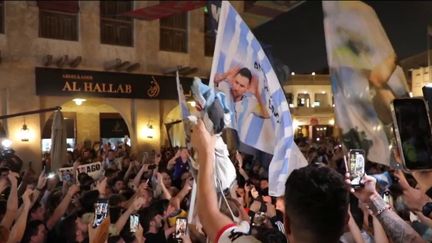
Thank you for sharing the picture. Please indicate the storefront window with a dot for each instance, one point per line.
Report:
(320, 132)
(113, 129)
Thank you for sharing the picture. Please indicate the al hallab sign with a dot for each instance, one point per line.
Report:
(73, 82)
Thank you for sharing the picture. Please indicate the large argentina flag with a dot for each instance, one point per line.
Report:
(260, 115)
(364, 75)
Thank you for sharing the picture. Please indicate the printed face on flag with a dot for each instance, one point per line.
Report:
(365, 77)
(259, 111)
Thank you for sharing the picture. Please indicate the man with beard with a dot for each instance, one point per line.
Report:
(154, 225)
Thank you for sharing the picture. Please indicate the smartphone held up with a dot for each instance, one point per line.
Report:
(412, 130)
(180, 227)
(356, 166)
(133, 222)
(101, 212)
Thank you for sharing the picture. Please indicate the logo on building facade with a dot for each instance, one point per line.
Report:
(154, 89)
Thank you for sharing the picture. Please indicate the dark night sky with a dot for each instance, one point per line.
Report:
(297, 37)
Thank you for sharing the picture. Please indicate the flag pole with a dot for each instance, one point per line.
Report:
(428, 37)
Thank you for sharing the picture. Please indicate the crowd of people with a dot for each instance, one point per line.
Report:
(149, 199)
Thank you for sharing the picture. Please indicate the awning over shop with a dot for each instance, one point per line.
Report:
(164, 9)
(71, 6)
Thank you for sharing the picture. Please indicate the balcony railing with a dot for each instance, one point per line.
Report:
(307, 111)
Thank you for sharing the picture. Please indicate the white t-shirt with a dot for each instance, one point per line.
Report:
(234, 233)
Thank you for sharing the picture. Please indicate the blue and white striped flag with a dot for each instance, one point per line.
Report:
(259, 110)
(182, 99)
(365, 77)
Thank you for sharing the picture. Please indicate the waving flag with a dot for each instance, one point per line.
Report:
(259, 110)
(182, 99)
(364, 74)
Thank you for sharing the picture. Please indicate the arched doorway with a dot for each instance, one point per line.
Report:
(87, 123)
(175, 128)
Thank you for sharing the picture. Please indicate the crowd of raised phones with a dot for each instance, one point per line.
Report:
(146, 199)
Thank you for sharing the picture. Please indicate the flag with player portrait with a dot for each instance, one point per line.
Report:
(258, 107)
(364, 75)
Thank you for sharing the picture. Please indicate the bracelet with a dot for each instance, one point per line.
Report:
(382, 210)
(378, 205)
(38, 189)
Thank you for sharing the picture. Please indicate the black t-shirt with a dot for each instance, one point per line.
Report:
(155, 238)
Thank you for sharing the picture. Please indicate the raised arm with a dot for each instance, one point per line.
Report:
(395, 227)
(171, 163)
(62, 207)
(135, 206)
(137, 179)
(166, 194)
(17, 231)
(41, 183)
(242, 172)
(354, 229)
(12, 203)
(254, 89)
(128, 172)
(379, 232)
(185, 190)
(208, 211)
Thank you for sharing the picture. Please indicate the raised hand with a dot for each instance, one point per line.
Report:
(13, 178)
(424, 179)
(158, 159)
(254, 86)
(139, 234)
(101, 187)
(402, 181)
(26, 197)
(177, 154)
(239, 159)
(255, 206)
(364, 193)
(189, 183)
(73, 189)
(42, 180)
(137, 203)
(271, 210)
(3, 184)
(201, 139)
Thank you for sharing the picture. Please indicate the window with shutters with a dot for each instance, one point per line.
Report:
(58, 25)
(209, 37)
(116, 29)
(173, 33)
(2, 17)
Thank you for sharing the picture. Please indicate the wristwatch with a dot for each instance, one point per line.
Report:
(427, 209)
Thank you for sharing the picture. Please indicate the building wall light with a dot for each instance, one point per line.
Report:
(79, 101)
(149, 131)
(24, 133)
